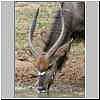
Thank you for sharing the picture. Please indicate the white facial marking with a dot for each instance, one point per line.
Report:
(41, 73)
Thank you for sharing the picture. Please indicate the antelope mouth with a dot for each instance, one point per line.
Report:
(41, 88)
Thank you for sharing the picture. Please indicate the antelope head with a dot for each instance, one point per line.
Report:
(43, 62)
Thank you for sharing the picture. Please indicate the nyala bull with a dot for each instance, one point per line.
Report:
(69, 20)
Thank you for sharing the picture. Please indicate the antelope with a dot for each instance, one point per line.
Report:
(45, 65)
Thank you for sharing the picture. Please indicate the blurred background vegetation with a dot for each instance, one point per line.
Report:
(24, 16)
